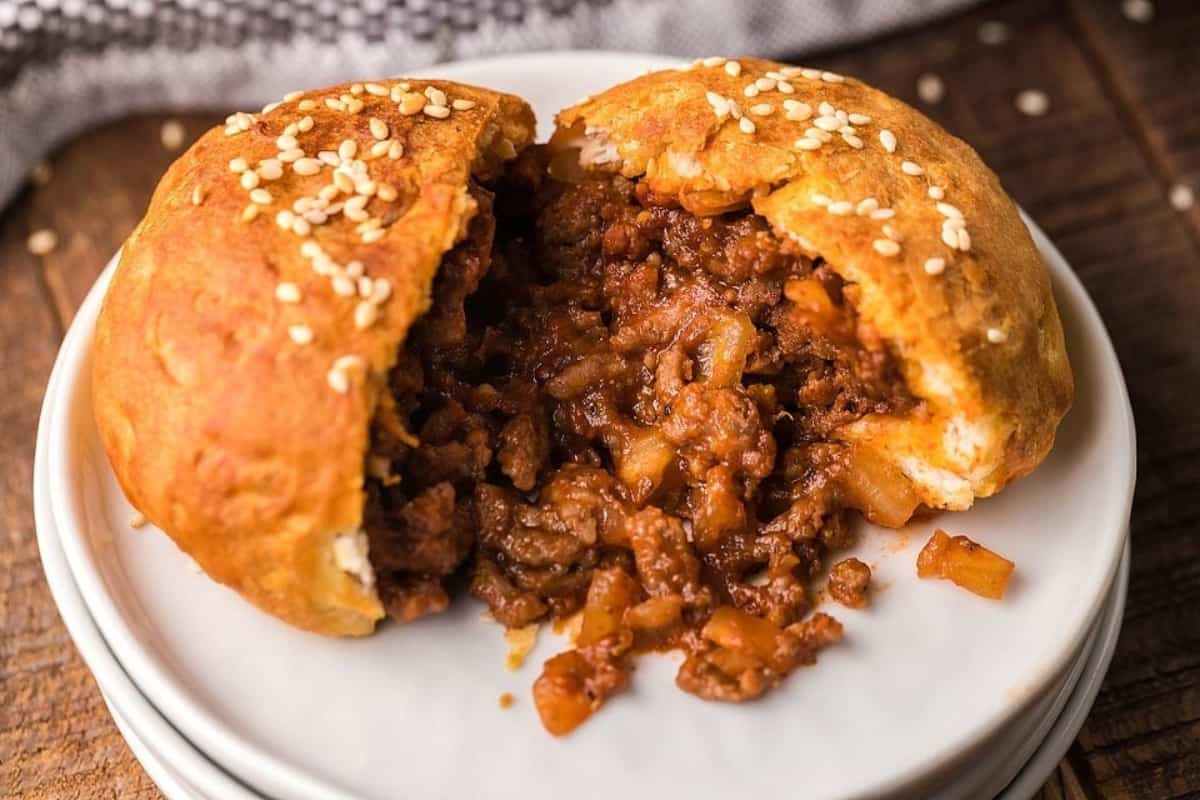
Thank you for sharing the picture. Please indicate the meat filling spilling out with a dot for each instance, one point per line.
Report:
(618, 407)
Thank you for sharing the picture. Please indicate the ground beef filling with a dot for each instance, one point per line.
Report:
(619, 407)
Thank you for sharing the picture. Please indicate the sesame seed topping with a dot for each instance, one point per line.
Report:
(376, 89)
(386, 192)
(712, 61)
(365, 315)
(249, 179)
(888, 140)
(288, 156)
(819, 199)
(343, 286)
(993, 32)
(796, 111)
(197, 195)
(826, 109)
(935, 266)
(379, 128)
(840, 207)
(365, 187)
(1140, 11)
(720, 105)
(996, 335)
(964, 240)
(316, 216)
(269, 107)
(829, 124)
(305, 124)
(381, 291)
(356, 88)
(746, 125)
(42, 242)
(1181, 197)
(343, 182)
(807, 144)
(373, 235)
(1033, 102)
(462, 104)
(349, 362)
(306, 105)
(765, 84)
(300, 334)
(354, 207)
(261, 197)
(930, 88)
(859, 119)
(238, 165)
(291, 130)
(883, 213)
(287, 142)
(762, 109)
(287, 292)
(306, 166)
(832, 77)
(852, 140)
(301, 226)
(866, 206)
(172, 134)
(892, 233)
(347, 149)
(437, 112)
(293, 96)
(950, 237)
(355, 269)
(284, 219)
(380, 148)
(810, 74)
(338, 381)
(411, 103)
(750, 91)
(936, 192)
(911, 168)
(335, 104)
(249, 212)
(330, 157)
(785, 88)
(886, 247)
(947, 210)
(436, 96)
(365, 284)
(733, 68)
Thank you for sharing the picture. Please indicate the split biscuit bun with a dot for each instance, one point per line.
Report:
(233, 379)
(881, 193)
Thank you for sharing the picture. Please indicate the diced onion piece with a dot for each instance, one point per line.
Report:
(878, 489)
(655, 614)
(560, 693)
(736, 630)
(643, 461)
(809, 295)
(611, 592)
(731, 341)
(966, 563)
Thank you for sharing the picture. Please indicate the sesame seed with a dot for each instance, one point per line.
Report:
(750, 91)
(996, 335)
(316, 216)
(137, 520)
(720, 105)
(365, 284)
(785, 87)
(306, 105)
(343, 182)
(911, 168)
(866, 206)
(376, 89)
(1181, 197)
(832, 77)
(343, 286)
(249, 179)
(936, 192)
(329, 157)
(886, 247)
(883, 213)
(947, 210)
(733, 69)
(305, 124)
(765, 84)
(386, 192)
(437, 112)
(950, 237)
(860, 119)
(411, 103)
(310, 249)
(796, 110)
(964, 240)
(1033, 102)
(197, 195)
(249, 212)
(288, 156)
(397, 91)
(853, 141)
(270, 169)
(892, 233)
(307, 166)
(347, 149)
(284, 219)
(287, 142)
(828, 124)
(354, 207)
(300, 334)
(353, 104)
(826, 109)
(301, 226)
(712, 61)
(356, 88)
(807, 144)
(436, 96)
(365, 187)
(379, 128)
(373, 235)
(380, 148)
(293, 96)
(819, 199)
(935, 266)
(349, 362)
(762, 109)
(462, 104)
(232, 130)
(327, 193)
(381, 291)
(269, 107)
(365, 315)
(1140, 11)
(172, 134)
(261, 197)
(840, 207)
(42, 242)
(335, 104)
(238, 165)
(287, 292)
(888, 140)
(338, 381)
(811, 74)
(930, 88)
(992, 33)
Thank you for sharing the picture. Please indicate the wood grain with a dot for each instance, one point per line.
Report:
(1124, 125)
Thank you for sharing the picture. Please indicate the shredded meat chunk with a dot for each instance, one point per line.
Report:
(617, 406)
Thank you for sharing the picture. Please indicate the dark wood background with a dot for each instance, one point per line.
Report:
(1095, 171)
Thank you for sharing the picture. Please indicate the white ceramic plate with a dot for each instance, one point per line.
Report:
(927, 674)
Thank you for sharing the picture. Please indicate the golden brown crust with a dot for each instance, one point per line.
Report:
(980, 341)
(223, 430)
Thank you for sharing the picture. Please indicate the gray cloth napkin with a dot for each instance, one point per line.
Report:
(68, 64)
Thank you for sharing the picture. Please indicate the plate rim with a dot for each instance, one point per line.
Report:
(165, 692)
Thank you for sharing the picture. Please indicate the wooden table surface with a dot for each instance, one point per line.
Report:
(1095, 171)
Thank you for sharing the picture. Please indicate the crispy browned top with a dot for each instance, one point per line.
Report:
(239, 354)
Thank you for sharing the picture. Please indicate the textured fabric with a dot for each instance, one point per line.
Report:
(67, 64)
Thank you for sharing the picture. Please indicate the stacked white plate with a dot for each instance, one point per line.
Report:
(935, 693)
